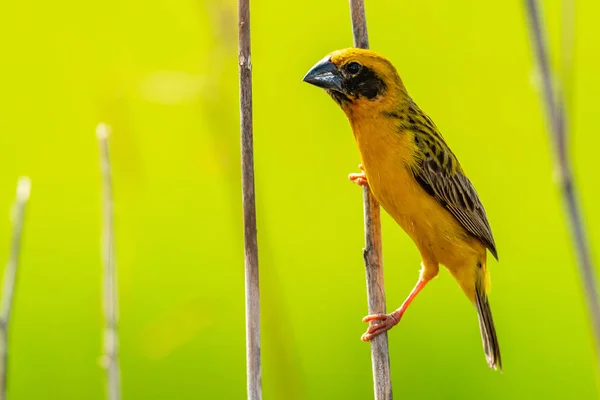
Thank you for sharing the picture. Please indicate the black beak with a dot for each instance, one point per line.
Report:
(325, 74)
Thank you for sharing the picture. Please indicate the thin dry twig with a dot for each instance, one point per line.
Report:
(110, 358)
(253, 365)
(556, 112)
(380, 356)
(10, 276)
(216, 102)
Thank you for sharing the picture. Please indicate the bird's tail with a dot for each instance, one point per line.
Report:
(486, 325)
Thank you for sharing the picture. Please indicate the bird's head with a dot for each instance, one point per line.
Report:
(357, 79)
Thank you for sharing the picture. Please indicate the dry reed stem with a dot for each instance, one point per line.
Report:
(10, 277)
(380, 356)
(253, 364)
(556, 113)
(110, 358)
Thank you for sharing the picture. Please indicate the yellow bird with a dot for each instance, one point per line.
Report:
(416, 178)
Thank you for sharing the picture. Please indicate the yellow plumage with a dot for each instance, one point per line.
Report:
(415, 177)
(387, 158)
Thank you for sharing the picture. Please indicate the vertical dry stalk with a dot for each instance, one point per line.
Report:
(556, 113)
(253, 368)
(10, 276)
(218, 113)
(380, 356)
(110, 358)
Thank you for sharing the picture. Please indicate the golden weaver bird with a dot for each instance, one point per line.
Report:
(417, 179)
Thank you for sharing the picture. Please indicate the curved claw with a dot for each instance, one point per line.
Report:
(359, 179)
(388, 321)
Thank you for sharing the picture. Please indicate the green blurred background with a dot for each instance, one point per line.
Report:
(164, 75)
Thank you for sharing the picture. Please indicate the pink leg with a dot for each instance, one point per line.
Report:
(388, 321)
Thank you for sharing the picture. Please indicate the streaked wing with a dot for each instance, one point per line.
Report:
(441, 177)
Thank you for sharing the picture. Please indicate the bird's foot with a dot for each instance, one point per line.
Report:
(360, 179)
(388, 321)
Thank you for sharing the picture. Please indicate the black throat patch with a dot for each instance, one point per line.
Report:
(339, 97)
(366, 84)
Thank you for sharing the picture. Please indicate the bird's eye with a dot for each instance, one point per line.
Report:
(353, 67)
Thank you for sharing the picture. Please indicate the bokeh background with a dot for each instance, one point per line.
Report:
(164, 75)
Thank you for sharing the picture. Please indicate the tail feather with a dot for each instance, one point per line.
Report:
(488, 332)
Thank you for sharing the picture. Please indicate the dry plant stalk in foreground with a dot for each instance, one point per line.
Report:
(253, 365)
(380, 356)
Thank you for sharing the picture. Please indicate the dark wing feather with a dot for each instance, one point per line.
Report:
(442, 178)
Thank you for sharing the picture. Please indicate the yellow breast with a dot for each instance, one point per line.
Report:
(387, 156)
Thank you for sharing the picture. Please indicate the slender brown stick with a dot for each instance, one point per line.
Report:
(380, 356)
(110, 359)
(10, 277)
(253, 368)
(359, 24)
(556, 113)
